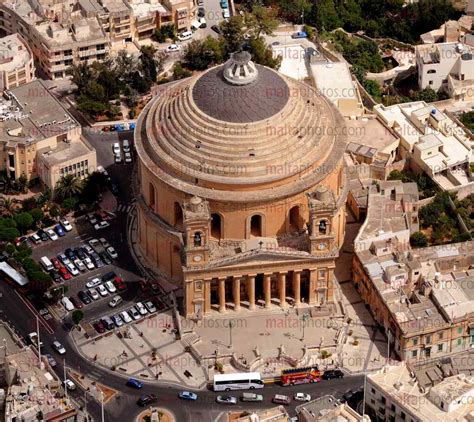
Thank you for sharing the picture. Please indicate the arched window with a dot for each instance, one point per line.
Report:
(178, 215)
(256, 225)
(431, 71)
(197, 239)
(151, 196)
(323, 227)
(296, 222)
(216, 226)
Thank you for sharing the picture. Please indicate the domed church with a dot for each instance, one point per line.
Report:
(242, 189)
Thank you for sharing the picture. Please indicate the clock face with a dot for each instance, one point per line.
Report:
(197, 258)
(322, 246)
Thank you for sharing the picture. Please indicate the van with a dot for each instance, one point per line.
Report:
(67, 304)
(46, 263)
(281, 399)
(185, 35)
(251, 397)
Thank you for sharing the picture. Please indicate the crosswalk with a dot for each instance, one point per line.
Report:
(125, 207)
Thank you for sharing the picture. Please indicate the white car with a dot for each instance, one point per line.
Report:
(110, 286)
(80, 265)
(115, 301)
(72, 269)
(185, 35)
(125, 317)
(102, 290)
(226, 13)
(151, 308)
(141, 308)
(116, 148)
(302, 397)
(93, 283)
(112, 252)
(101, 169)
(134, 313)
(93, 243)
(170, 49)
(128, 157)
(66, 225)
(88, 263)
(52, 235)
(202, 22)
(88, 249)
(93, 294)
(118, 158)
(69, 384)
(126, 145)
(101, 225)
(58, 347)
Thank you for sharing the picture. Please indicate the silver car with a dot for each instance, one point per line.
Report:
(226, 400)
(117, 320)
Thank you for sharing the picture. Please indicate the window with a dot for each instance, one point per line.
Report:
(431, 71)
(440, 347)
(323, 227)
(430, 82)
(428, 339)
(459, 341)
(440, 335)
(256, 225)
(403, 416)
(415, 341)
(197, 239)
(392, 408)
(372, 390)
(322, 274)
(384, 400)
(216, 225)
(178, 215)
(198, 286)
(295, 219)
(151, 196)
(414, 353)
(459, 330)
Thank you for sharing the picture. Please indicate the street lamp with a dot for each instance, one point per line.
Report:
(231, 325)
(304, 317)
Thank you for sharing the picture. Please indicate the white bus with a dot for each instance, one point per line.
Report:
(240, 381)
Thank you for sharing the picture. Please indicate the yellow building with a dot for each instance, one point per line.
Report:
(242, 189)
(16, 62)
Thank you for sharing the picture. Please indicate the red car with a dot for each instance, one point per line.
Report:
(120, 284)
(99, 327)
(64, 273)
(144, 286)
(77, 303)
(56, 263)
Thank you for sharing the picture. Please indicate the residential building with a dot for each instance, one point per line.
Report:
(328, 409)
(40, 138)
(446, 66)
(432, 141)
(395, 394)
(146, 15)
(334, 81)
(274, 414)
(16, 62)
(182, 12)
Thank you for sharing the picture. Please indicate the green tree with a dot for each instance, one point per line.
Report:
(261, 20)
(233, 34)
(24, 221)
(428, 95)
(467, 119)
(77, 316)
(8, 207)
(69, 204)
(37, 214)
(325, 16)
(418, 240)
(54, 211)
(201, 54)
(179, 72)
(263, 54)
(23, 183)
(67, 187)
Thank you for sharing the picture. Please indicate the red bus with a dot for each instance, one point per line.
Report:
(306, 375)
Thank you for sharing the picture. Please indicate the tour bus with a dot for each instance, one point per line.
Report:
(238, 381)
(46, 263)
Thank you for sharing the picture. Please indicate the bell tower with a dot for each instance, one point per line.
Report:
(322, 209)
(197, 224)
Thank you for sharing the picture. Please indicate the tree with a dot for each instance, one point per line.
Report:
(69, 204)
(325, 16)
(428, 95)
(54, 211)
(233, 34)
(37, 214)
(261, 20)
(263, 54)
(24, 221)
(81, 75)
(201, 54)
(418, 240)
(95, 184)
(179, 72)
(467, 119)
(67, 187)
(23, 183)
(77, 316)
(8, 207)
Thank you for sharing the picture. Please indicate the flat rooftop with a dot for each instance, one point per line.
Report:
(65, 151)
(372, 133)
(14, 53)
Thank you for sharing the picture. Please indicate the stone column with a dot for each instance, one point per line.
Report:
(236, 286)
(297, 287)
(267, 290)
(207, 296)
(221, 292)
(282, 289)
(251, 291)
(313, 284)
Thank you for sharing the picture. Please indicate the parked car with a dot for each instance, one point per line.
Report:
(77, 303)
(332, 373)
(55, 276)
(84, 298)
(128, 157)
(108, 323)
(101, 225)
(102, 290)
(42, 235)
(88, 263)
(58, 347)
(185, 35)
(93, 293)
(146, 400)
(72, 269)
(93, 283)
(110, 287)
(52, 362)
(99, 327)
(141, 308)
(70, 254)
(173, 48)
(302, 397)
(224, 4)
(104, 257)
(225, 13)
(35, 239)
(116, 148)
(251, 397)
(126, 317)
(126, 145)
(67, 304)
(216, 29)
(52, 235)
(117, 320)
(281, 399)
(108, 276)
(96, 260)
(120, 284)
(66, 225)
(69, 384)
(79, 252)
(134, 313)
(226, 400)
(87, 249)
(187, 395)
(64, 273)
(115, 301)
(150, 307)
(56, 263)
(112, 252)
(118, 158)
(80, 265)
(299, 34)
(201, 12)
(59, 230)
(134, 383)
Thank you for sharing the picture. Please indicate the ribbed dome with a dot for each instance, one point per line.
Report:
(209, 134)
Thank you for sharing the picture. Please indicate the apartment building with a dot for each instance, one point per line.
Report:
(16, 62)
(432, 141)
(396, 394)
(148, 15)
(182, 12)
(446, 66)
(328, 409)
(40, 138)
